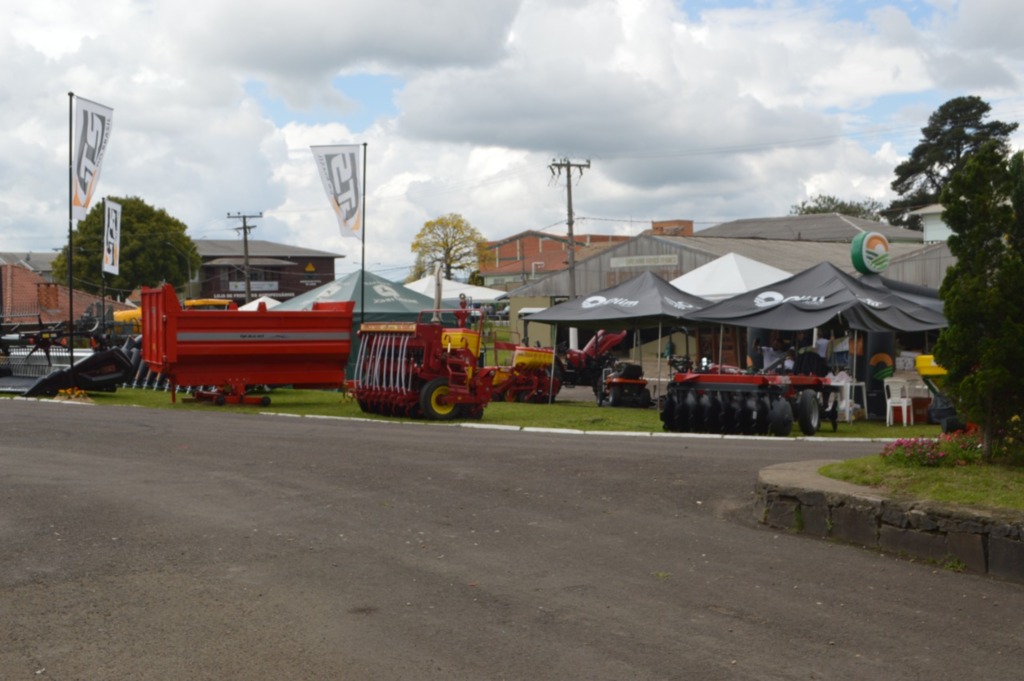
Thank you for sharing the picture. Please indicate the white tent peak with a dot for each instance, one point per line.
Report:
(254, 304)
(728, 276)
(450, 290)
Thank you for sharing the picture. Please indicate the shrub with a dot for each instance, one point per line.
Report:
(1009, 447)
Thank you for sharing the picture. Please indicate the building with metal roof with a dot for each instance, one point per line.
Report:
(812, 227)
(279, 271)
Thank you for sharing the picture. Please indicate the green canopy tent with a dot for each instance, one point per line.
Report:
(385, 301)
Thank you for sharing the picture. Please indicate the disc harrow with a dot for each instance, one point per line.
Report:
(732, 403)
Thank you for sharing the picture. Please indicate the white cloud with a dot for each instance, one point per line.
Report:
(685, 109)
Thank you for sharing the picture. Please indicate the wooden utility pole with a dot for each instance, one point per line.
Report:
(245, 247)
(556, 167)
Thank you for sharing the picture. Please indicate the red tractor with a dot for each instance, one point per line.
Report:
(422, 369)
(586, 366)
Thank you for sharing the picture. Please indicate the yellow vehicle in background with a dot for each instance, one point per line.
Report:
(941, 410)
(129, 322)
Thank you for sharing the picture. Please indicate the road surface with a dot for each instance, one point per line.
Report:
(222, 544)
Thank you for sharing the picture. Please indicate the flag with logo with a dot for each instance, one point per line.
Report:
(339, 172)
(92, 131)
(111, 237)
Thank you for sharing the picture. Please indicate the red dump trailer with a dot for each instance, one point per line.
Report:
(228, 351)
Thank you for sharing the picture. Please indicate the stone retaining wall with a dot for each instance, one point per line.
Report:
(794, 497)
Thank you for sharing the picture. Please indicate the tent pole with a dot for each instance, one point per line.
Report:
(721, 343)
(657, 387)
(551, 379)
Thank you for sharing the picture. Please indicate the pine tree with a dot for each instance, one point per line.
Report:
(983, 347)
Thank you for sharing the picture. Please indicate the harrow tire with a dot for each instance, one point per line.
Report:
(748, 416)
(645, 400)
(710, 413)
(667, 413)
(430, 403)
(780, 418)
(690, 409)
(808, 412)
(764, 410)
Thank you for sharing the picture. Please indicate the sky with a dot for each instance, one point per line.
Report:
(705, 110)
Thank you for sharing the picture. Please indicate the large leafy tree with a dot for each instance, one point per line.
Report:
(983, 347)
(868, 209)
(154, 249)
(449, 240)
(955, 131)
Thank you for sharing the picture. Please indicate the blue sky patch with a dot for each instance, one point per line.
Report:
(371, 97)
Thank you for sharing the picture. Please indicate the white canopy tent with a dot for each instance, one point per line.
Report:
(725, 277)
(450, 290)
(728, 276)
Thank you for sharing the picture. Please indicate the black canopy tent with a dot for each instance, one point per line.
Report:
(645, 301)
(824, 293)
(816, 295)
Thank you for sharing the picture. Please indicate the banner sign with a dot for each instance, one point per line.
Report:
(92, 131)
(111, 237)
(339, 166)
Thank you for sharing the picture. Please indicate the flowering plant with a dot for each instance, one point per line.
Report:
(72, 393)
(950, 449)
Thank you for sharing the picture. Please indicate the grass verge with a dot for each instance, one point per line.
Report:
(983, 486)
(572, 415)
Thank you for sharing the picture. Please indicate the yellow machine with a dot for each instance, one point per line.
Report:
(130, 321)
(941, 409)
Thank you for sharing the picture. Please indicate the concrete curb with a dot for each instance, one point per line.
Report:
(794, 497)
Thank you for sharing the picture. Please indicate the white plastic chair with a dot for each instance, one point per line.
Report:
(897, 396)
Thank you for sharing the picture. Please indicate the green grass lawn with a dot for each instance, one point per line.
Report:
(571, 415)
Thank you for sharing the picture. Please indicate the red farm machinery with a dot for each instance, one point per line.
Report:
(528, 376)
(423, 369)
(722, 399)
(222, 354)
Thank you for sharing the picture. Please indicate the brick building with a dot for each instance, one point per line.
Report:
(511, 262)
(27, 299)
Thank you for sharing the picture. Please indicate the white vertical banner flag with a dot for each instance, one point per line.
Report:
(92, 131)
(111, 237)
(339, 172)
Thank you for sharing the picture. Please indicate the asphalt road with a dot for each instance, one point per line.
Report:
(149, 544)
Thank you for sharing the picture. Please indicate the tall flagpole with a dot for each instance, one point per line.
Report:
(71, 223)
(362, 256)
(103, 274)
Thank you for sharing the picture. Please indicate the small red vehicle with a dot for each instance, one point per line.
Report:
(623, 385)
